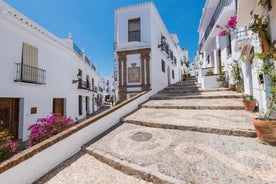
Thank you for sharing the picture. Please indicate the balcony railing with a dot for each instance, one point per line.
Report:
(84, 85)
(77, 50)
(218, 10)
(29, 74)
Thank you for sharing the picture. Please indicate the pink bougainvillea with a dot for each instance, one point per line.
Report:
(232, 22)
(224, 32)
(47, 127)
(226, 29)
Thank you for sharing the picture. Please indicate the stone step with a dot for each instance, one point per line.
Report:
(185, 83)
(192, 90)
(223, 122)
(172, 156)
(184, 86)
(198, 95)
(221, 104)
(83, 168)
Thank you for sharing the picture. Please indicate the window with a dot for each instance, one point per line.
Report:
(29, 62)
(87, 82)
(80, 105)
(80, 79)
(92, 84)
(134, 30)
(228, 45)
(208, 59)
(173, 74)
(163, 66)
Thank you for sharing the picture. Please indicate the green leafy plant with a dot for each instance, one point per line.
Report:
(236, 72)
(222, 76)
(119, 101)
(210, 72)
(187, 64)
(248, 97)
(260, 25)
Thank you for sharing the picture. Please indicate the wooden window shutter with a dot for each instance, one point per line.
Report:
(29, 62)
(30, 55)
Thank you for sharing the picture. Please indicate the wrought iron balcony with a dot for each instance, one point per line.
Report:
(164, 46)
(29, 74)
(84, 85)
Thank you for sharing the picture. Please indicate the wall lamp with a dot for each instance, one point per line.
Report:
(79, 77)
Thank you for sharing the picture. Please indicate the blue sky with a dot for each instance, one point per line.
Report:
(91, 23)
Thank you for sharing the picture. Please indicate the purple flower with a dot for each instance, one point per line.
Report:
(232, 22)
(224, 32)
(47, 127)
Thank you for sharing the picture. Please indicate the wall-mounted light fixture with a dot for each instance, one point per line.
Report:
(79, 77)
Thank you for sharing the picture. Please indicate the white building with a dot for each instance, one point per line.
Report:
(109, 86)
(41, 73)
(215, 51)
(246, 9)
(147, 55)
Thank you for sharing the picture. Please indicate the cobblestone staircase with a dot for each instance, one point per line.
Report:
(186, 134)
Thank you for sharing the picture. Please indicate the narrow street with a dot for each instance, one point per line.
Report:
(209, 139)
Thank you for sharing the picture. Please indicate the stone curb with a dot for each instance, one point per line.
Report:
(130, 168)
(168, 97)
(194, 107)
(184, 86)
(191, 90)
(231, 132)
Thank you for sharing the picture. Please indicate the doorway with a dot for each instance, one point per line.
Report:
(9, 115)
(169, 75)
(58, 105)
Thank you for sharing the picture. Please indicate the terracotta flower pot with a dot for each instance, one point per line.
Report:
(232, 87)
(249, 105)
(265, 130)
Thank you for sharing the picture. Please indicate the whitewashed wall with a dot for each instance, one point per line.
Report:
(41, 162)
(152, 27)
(60, 63)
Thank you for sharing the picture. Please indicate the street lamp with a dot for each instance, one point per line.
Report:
(79, 77)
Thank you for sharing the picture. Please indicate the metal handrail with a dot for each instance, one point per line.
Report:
(29, 74)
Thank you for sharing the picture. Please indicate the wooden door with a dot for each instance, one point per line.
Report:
(58, 105)
(9, 114)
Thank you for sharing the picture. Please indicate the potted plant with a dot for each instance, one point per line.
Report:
(239, 86)
(232, 87)
(265, 124)
(249, 102)
(210, 72)
(222, 77)
(236, 74)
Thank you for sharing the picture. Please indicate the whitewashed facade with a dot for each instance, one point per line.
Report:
(109, 86)
(215, 51)
(147, 55)
(40, 74)
(246, 9)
